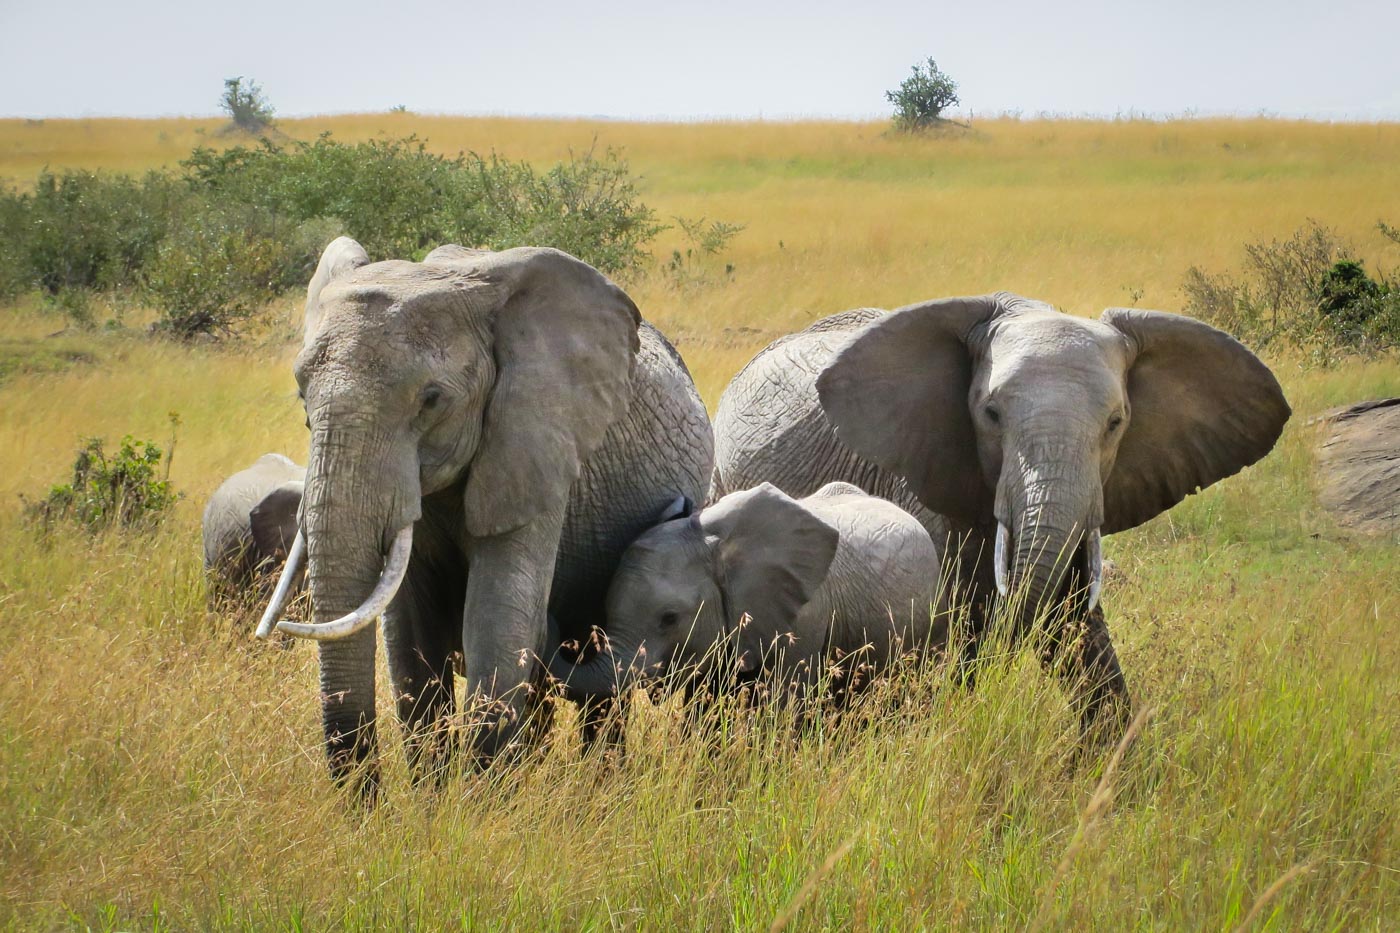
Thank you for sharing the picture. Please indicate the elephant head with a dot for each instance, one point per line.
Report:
(698, 586)
(480, 380)
(1057, 428)
(273, 521)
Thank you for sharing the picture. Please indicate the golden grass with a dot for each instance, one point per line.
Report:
(157, 770)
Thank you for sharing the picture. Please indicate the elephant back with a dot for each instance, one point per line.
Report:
(770, 427)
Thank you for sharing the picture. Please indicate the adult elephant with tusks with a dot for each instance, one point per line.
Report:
(489, 431)
(1019, 433)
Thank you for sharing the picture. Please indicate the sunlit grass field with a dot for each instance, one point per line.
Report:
(159, 769)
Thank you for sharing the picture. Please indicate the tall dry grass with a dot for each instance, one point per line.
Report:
(159, 770)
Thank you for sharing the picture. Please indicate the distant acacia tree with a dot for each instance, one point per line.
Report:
(245, 105)
(922, 97)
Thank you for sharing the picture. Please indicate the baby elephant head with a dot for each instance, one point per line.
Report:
(998, 409)
(698, 586)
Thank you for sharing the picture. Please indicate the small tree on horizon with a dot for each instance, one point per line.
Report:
(245, 105)
(922, 97)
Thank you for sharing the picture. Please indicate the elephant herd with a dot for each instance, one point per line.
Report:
(509, 466)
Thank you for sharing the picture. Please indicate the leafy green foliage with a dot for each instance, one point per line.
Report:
(1306, 290)
(703, 240)
(246, 105)
(398, 199)
(122, 490)
(921, 98)
(208, 246)
(85, 230)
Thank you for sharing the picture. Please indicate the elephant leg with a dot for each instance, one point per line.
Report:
(602, 723)
(420, 636)
(348, 715)
(1081, 654)
(504, 631)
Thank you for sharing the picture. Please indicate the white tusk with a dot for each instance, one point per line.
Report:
(395, 566)
(284, 585)
(1094, 553)
(999, 559)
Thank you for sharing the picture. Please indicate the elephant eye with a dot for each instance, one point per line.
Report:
(1114, 423)
(431, 396)
(669, 619)
(993, 415)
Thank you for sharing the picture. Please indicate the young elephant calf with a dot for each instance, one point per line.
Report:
(772, 585)
(249, 524)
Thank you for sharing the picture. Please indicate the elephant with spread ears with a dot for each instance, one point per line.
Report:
(1017, 433)
(488, 433)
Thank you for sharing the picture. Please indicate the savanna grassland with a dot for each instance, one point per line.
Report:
(159, 769)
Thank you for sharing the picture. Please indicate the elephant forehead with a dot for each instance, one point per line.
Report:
(1037, 345)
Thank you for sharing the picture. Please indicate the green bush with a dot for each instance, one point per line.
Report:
(122, 490)
(209, 277)
(209, 245)
(88, 229)
(1305, 290)
(398, 199)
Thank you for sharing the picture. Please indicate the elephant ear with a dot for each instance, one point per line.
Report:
(565, 344)
(273, 520)
(772, 553)
(339, 259)
(897, 395)
(1202, 407)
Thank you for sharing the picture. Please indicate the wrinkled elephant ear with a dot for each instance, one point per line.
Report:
(1202, 407)
(274, 519)
(338, 260)
(565, 344)
(773, 553)
(897, 395)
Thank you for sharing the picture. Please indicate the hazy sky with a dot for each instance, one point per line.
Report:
(1335, 59)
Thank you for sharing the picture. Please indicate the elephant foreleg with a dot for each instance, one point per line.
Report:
(503, 631)
(420, 637)
(1081, 653)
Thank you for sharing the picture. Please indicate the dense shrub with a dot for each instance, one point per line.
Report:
(208, 245)
(86, 229)
(122, 490)
(1307, 290)
(399, 199)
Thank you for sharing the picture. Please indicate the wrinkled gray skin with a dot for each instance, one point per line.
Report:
(997, 409)
(249, 524)
(512, 408)
(836, 575)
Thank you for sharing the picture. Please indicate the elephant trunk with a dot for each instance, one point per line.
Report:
(618, 664)
(1049, 539)
(349, 519)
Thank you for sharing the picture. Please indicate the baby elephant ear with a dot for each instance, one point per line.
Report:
(773, 553)
(680, 507)
(273, 521)
(1202, 407)
(338, 260)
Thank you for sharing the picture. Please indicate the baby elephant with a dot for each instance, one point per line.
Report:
(839, 574)
(249, 525)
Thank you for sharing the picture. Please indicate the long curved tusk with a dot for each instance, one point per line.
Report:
(395, 566)
(1094, 554)
(999, 558)
(284, 585)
